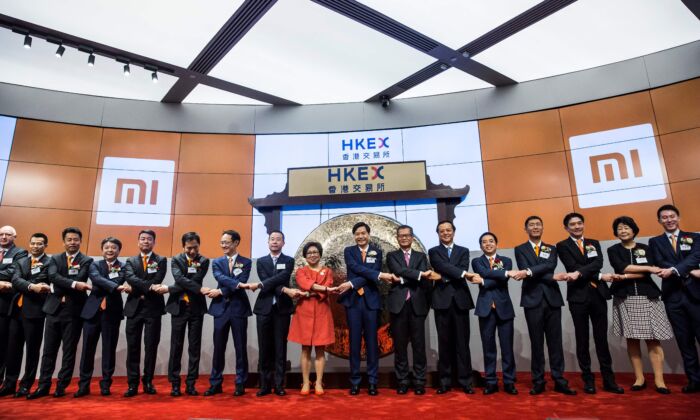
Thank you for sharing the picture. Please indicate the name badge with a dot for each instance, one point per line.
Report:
(72, 271)
(36, 270)
(544, 255)
(152, 270)
(592, 254)
(7, 260)
(237, 271)
(641, 260)
(281, 266)
(370, 260)
(113, 275)
(684, 247)
(191, 270)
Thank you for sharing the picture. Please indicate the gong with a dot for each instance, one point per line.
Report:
(334, 235)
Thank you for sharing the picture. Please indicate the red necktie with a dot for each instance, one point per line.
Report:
(407, 258)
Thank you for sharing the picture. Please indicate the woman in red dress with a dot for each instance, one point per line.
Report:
(312, 324)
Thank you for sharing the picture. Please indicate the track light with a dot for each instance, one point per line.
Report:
(27, 42)
(127, 70)
(91, 60)
(385, 101)
(154, 77)
(444, 66)
(59, 52)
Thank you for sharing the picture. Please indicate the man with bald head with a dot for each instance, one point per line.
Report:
(9, 253)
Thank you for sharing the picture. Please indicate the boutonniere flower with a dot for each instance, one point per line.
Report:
(195, 263)
(152, 265)
(74, 265)
(686, 240)
(590, 248)
(639, 253)
(36, 264)
(372, 253)
(497, 264)
(115, 269)
(545, 249)
(238, 265)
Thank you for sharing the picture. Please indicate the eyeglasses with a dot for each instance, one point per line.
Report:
(405, 236)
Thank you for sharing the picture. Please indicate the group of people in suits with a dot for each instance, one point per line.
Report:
(54, 300)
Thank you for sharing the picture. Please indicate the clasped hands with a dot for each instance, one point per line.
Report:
(567, 276)
(40, 288)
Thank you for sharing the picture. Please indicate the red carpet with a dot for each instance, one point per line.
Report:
(336, 403)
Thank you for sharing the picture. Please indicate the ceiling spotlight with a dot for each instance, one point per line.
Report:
(27, 42)
(154, 77)
(465, 54)
(59, 52)
(385, 101)
(444, 66)
(127, 70)
(91, 60)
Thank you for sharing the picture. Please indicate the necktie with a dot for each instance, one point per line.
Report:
(491, 262)
(407, 258)
(361, 290)
(493, 303)
(185, 297)
(145, 262)
(274, 267)
(579, 242)
(449, 252)
(2, 253)
(103, 303)
(70, 261)
(20, 301)
(673, 242)
(537, 250)
(230, 264)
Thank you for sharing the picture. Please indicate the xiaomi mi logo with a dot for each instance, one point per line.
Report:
(617, 167)
(136, 192)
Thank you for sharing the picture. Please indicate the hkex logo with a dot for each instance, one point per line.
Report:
(355, 173)
(369, 143)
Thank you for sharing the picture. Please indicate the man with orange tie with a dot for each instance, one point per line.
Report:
(143, 310)
(588, 299)
(31, 279)
(9, 253)
(63, 307)
(187, 306)
(103, 314)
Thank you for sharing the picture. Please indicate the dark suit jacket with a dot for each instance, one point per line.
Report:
(233, 301)
(273, 279)
(419, 288)
(453, 285)
(363, 275)
(141, 299)
(589, 267)
(7, 270)
(104, 287)
(495, 287)
(189, 283)
(620, 257)
(541, 284)
(682, 261)
(22, 277)
(63, 285)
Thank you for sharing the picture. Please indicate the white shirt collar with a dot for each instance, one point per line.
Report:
(676, 232)
(533, 245)
(576, 240)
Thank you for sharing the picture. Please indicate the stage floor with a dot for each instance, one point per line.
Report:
(336, 403)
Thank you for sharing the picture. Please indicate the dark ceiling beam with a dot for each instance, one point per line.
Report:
(693, 6)
(489, 39)
(400, 32)
(244, 18)
(87, 46)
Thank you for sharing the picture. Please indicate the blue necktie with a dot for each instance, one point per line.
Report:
(449, 252)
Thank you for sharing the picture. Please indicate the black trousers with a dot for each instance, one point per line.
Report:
(487, 327)
(192, 324)
(149, 328)
(544, 321)
(23, 331)
(407, 327)
(452, 327)
(684, 315)
(4, 342)
(273, 329)
(62, 331)
(105, 326)
(595, 311)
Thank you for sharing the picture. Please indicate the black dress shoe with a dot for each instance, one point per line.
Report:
(131, 392)
(589, 388)
(175, 391)
(467, 389)
(6, 390)
(354, 390)
(443, 390)
(490, 389)
(60, 392)
(22, 392)
(537, 389)
(105, 392)
(639, 387)
(191, 390)
(662, 390)
(510, 389)
(240, 390)
(213, 390)
(402, 389)
(262, 392)
(280, 392)
(372, 390)
(420, 390)
(81, 392)
(148, 388)
(41, 392)
(564, 389)
(692, 387)
(614, 388)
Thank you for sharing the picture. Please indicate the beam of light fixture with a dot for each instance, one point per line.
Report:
(127, 69)
(91, 60)
(59, 52)
(154, 77)
(27, 42)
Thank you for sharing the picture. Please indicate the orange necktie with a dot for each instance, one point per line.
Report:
(674, 243)
(185, 297)
(145, 262)
(579, 242)
(490, 262)
(20, 301)
(537, 250)
(361, 290)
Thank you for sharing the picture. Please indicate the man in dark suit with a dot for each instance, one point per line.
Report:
(678, 253)
(588, 297)
(9, 254)
(452, 301)
(31, 278)
(408, 304)
(187, 305)
(273, 310)
(63, 307)
(103, 314)
(230, 308)
(143, 309)
(361, 298)
(495, 311)
(542, 302)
